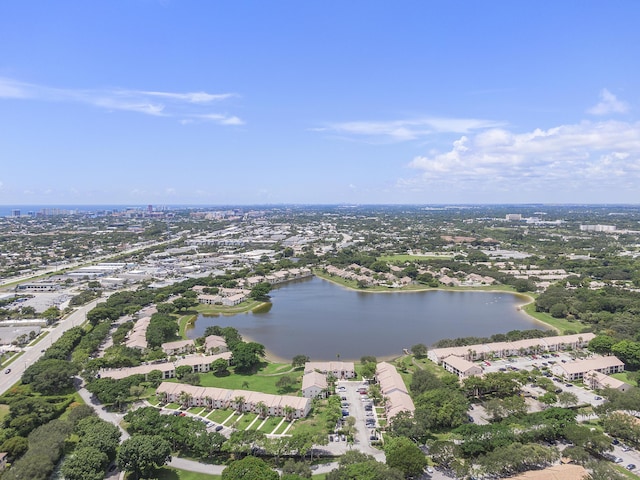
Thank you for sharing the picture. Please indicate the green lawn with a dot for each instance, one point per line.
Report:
(282, 428)
(245, 421)
(279, 369)
(4, 411)
(219, 416)
(255, 383)
(185, 322)
(215, 310)
(176, 474)
(560, 324)
(623, 376)
(269, 425)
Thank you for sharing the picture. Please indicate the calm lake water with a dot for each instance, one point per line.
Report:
(317, 318)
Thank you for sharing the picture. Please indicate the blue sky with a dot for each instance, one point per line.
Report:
(251, 102)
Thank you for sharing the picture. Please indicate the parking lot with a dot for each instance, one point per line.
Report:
(544, 362)
(356, 404)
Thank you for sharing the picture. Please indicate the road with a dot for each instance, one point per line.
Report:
(32, 353)
(82, 263)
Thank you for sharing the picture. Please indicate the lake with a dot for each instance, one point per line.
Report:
(317, 318)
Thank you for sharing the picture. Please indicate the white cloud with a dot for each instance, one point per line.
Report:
(166, 104)
(608, 104)
(194, 97)
(410, 129)
(587, 154)
(12, 89)
(219, 118)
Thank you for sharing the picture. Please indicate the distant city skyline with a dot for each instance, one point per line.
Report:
(250, 103)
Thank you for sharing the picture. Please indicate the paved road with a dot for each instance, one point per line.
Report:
(33, 353)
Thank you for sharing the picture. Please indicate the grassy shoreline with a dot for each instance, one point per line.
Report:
(561, 325)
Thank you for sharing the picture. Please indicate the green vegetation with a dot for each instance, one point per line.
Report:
(167, 473)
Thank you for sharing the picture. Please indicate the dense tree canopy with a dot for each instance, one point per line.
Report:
(249, 468)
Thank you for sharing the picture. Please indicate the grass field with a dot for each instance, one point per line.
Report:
(176, 474)
(560, 324)
(623, 376)
(4, 411)
(257, 382)
(219, 416)
(269, 425)
(215, 310)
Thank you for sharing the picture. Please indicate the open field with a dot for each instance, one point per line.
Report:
(256, 383)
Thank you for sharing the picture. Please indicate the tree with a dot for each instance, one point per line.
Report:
(594, 442)
(300, 360)
(52, 314)
(86, 463)
(155, 377)
(405, 456)
(165, 308)
(629, 352)
(356, 465)
(292, 470)
(183, 370)
(424, 380)
(261, 291)
(602, 344)
(263, 410)
(249, 468)
(220, 367)
(50, 376)
(15, 446)
(183, 303)
(97, 433)
(548, 398)
(285, 383)
(368, 370)
(142, 454)
(136, 391)
(419, 350)
(567, 399)
(245, 356)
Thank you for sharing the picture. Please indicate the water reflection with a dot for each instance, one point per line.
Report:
(325, 321)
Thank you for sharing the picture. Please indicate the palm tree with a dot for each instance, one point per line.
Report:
(184, 399)
(289, 413)
(262, 409)
(239, 401)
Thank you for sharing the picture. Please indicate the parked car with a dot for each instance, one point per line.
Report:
(219, 427)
